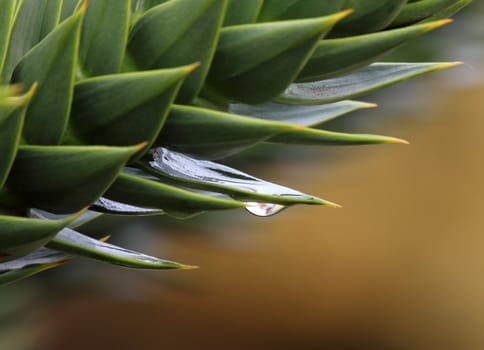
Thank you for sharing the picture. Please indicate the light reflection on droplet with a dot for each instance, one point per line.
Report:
(264, 209)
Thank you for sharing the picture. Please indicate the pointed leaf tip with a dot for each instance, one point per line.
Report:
(105, 238)
(193, 66)
(140, 146)
(189, 267)
(396, 140)
(439, 23)
(369, 105)
(340, 15)
(334, 205)
(77, 215)
(452, 64)
(83, 6)
(32, 90)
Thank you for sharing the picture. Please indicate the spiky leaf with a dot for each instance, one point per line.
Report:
(242, 12)
(151, 193)
(335, 57)
(178, 32)
(34, 19)
(21, 236)
(276, 10)
(210, 176)
(74, 243)
(254, 63)
(104, 37)
(212, 134)
(52, 64)
(124, 109)
(12, 110)
(65, 179)
(374, 77)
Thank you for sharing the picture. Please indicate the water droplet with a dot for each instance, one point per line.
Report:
(264, 209)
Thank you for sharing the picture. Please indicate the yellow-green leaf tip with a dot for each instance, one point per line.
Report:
(440, 23)
(452, 64)
(333, 205)
(188, 267)
(340, 15)
(397, 141)
(368, 105)
(83, 6)
(140, 146)
(32, 90)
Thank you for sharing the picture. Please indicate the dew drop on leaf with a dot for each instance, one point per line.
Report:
(264, 209)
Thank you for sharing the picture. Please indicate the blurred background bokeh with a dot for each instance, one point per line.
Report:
(400, 267)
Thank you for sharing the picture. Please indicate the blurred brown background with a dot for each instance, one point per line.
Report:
(399, 267)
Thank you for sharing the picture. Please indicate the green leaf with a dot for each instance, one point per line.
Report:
(74, 243)
(211, 134)
(150, 193)
(309, 136)
(254, 63)
(40, 260)
(369, 16)
(175, 33)
(109, 206)
(374, 77)
(242, 12)
(64, 179)
(417, 11)
(299, 115)
(210, 176)
(12, 111)
(104, 37)
(124, 109)
(69, 7)
(7, 8)
(52, 64)
(448, 11)
(339, 56)
(277, 10)
(144, 5)
(33, 21)
(20, 236)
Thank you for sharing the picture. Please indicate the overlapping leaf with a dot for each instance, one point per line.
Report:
(160, 39)
(210, 176)
(311, 115)
(21, 236)
(276, 10)
(12, 110)
(150, 193)
(65, 179)
(211, 134)
(242, 12)
(369, 16)
(124, 109)
(52, 65)
(104, 37)
(74, 243)
(335, 57)
(29, 265)
(6, 23)
(254, 63)
(34, 19)
(374, 77)
(416, 11)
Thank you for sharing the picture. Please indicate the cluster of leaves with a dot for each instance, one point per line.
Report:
(129, 102)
